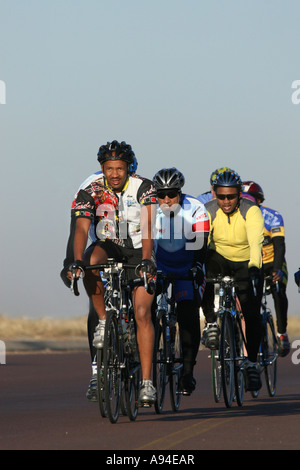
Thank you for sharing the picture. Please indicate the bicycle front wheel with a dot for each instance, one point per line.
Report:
(176, 372)
(216, 374)
(100, 383)
(270, 354)
(112, 370)
(160, 363)
(239, 377)
(132, 373)
(227, 356)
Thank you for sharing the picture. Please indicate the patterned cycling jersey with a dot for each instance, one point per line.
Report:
(274, 227)
(114, 215)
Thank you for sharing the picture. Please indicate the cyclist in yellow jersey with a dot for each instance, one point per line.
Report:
(274, 262)
(235, 248)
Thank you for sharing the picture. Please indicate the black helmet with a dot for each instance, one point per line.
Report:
(117, 151)
(254, 189)
(228, 179)
(168, 178)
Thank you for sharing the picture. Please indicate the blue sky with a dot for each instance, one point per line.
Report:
(193, 84)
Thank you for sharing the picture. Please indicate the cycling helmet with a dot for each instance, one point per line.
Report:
(254, 189)
(228, 178)
(217, 172)
(118, 151)
(168, 178)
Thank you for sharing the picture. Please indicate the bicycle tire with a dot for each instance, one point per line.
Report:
(227, 356)
(216, 375)
(270, 354)
(159, 363)
(112, 370)
(216, 369)
(176, 369)
(132, 387)
(100, 383)
(133, 372)
(239, 377)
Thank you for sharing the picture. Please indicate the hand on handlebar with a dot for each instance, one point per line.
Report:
(277, 276)
(76, 270)
(147, 270)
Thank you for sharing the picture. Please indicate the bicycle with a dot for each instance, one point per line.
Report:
(228, 362)
(167, 354)
(118, 364)
(268, 349)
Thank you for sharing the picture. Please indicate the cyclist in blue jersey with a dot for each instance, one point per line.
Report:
(181, 234)
(274, 262)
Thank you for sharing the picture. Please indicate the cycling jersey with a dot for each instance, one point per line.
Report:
(274, 227)
(114, 215)
(176, 248)
(237, 236)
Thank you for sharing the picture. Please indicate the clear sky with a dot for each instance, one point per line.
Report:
(194, 84)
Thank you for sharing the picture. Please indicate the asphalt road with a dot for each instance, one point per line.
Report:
(43, 406)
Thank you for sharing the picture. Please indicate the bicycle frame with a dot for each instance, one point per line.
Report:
(167, 357)
(118, 362)
(228, 363)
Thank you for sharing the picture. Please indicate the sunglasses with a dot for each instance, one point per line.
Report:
(230, 197)
(171, 193)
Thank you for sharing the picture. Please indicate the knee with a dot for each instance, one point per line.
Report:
(142, 315)
(93, 284)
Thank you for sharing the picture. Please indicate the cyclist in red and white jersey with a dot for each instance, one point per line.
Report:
(115, 209)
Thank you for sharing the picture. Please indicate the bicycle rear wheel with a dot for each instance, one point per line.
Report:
(227, 355)
(112, 370)
(176, 372)
(270, 354)
(160, 363)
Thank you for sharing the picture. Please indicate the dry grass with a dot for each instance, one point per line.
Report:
(14, 328)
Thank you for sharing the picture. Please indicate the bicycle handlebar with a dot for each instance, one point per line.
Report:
(111, 263)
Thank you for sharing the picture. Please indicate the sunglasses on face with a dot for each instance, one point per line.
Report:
(171, 193)
(230, 197)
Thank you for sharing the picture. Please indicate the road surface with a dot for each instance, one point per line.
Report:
(43, 406)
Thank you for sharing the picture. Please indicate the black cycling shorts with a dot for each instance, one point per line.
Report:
(121, 253)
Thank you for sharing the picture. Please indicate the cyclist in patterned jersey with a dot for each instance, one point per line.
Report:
(235, 248)
(274, 262)
(118, 206)
(181, 233)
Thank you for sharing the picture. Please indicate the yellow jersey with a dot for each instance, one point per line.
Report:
(238, 236)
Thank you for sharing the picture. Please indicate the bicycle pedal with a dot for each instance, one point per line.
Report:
(145, 405)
